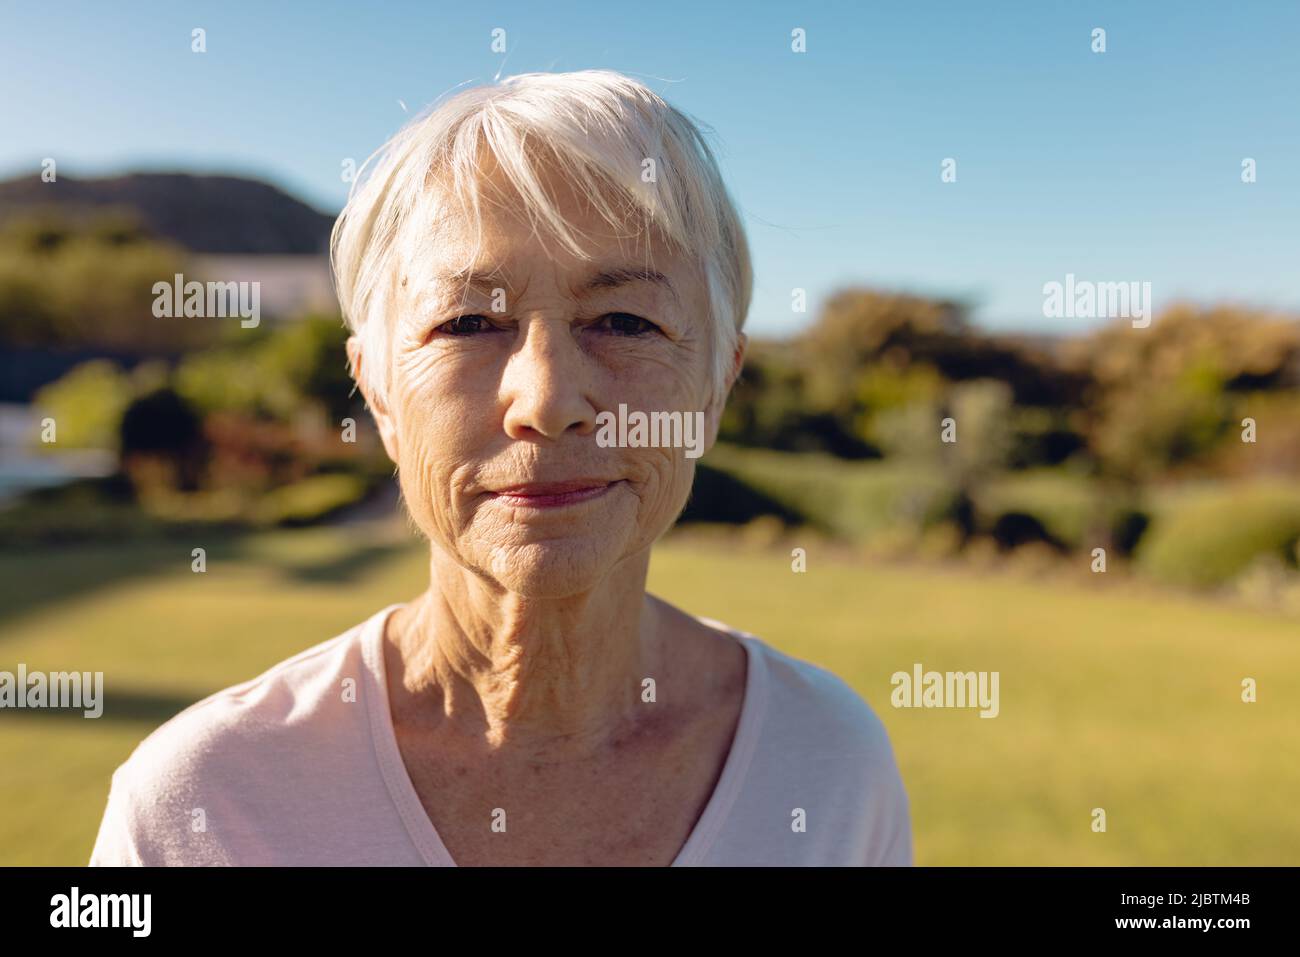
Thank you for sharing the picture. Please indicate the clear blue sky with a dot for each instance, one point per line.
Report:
(1116, 166)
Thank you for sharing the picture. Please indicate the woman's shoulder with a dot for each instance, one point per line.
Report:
(237, 755)
(810, 703)
(244, 723)
(819, 745)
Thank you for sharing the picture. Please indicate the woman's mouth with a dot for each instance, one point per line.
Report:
(553, 494)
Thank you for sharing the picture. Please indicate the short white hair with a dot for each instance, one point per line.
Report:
(601, 128)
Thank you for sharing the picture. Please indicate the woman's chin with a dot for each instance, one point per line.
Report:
(552, 553)
(557, 567)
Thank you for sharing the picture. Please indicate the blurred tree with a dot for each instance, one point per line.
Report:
(768, 408)
(856, 327)
(1167, 396)
(161, 427)
(86, 405)
(89, 283)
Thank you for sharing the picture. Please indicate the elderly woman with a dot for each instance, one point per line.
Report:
(520, 264)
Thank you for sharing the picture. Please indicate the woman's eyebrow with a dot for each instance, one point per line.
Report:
(478, 279)
(451, 285)
(450, 288)
(623, 275)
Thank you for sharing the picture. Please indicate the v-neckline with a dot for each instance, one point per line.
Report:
(421, 829)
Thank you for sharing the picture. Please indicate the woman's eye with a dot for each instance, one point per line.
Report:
(625, 324)
(465, 325)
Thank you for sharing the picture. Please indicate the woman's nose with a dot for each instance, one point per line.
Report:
(545, 382)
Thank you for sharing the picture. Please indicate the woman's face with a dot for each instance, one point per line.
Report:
(491, 414)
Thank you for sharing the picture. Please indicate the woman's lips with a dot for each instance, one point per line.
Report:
(553, 494)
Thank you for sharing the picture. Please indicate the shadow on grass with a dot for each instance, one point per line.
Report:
(343, 568)
(718, 496)
(36, 578)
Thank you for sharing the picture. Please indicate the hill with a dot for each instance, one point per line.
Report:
(206, 214)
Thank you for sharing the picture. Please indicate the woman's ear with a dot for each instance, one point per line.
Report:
(374, 402)
(738, 359)
(713, 413)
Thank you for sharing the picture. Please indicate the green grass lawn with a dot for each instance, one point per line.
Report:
(1111, 697)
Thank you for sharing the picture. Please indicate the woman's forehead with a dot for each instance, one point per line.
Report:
(505, 251)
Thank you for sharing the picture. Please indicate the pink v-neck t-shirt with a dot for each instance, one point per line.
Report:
(300, 766)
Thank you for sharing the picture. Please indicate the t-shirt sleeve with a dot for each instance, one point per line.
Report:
(890, 844)
(896, 847)
(116, 843)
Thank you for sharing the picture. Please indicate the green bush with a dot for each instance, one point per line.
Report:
(1207, 538)
(87, 405)
(272, 375)
(84, 510)
(1063, 503)
(849, 500)
(225, 380)
(1076, 510)
(718, 497)
(89, 284)
(311, 499)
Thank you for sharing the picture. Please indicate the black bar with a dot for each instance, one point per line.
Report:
(330, 905)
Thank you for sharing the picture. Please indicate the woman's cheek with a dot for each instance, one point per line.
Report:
(430, 428)
(663, 478)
